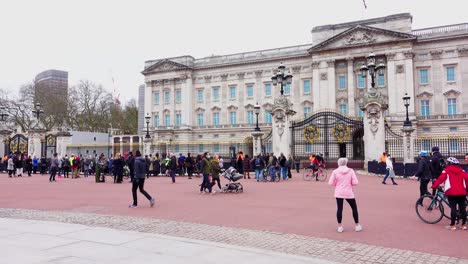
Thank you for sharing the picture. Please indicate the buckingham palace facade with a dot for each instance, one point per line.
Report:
(207, 104)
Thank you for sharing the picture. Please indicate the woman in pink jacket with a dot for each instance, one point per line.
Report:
(343, 179)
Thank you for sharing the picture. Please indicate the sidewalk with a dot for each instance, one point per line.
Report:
(32, 241)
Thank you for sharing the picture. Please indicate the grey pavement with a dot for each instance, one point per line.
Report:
(33, 241)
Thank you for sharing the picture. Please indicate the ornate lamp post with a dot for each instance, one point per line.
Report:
(373, 69)
(147, 118)
(257, 112)
(37, 111)
(407, 122)
(281, 77)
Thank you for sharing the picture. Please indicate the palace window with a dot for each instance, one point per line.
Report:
(232, 92)
(199, 96)
(268, 89)
(178, 96)
(425, 108)
(359, 111)
(250, 90)
(426, 145)
(380, 80)
(167, 97)
(200, 119)
(450, 74)
(268, 118)
(156, 121)
(250, 117)
(156, 98)
(307, 111)
(341, 82)
(216, 148)
(216, 119)
(343, 109)
(287, 89)
(306, 87)
(453, 145)
(452, 106)
(361, 82)
(167, 120)
(233, 118)
(216, 94)
(178, 120)
(423, 76)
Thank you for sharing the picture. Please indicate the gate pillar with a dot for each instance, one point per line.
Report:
(63, 140)
(34, 142)
(281, 132)
(374, 129)
(257, 143)
(408, 145)
(4, 135)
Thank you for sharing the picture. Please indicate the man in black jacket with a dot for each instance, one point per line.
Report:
(435, 161)
(423, 173)
(138, 181)
(173, 167)
(131, 165)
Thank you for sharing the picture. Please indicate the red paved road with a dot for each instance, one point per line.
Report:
(296, 207)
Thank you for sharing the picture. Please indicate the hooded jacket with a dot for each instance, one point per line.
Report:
(343, 179)
(458, 179)
(140, 167)
(423, 171)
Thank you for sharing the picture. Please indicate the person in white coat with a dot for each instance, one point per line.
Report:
(390, 172)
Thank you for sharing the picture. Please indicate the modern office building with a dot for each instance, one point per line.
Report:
(51, 90)
(207, 103)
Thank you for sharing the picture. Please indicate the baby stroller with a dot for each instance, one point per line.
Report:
(233, 176)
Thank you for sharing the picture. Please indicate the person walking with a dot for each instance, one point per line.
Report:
(423, 174)
(259, 166)
(282, 163)
(215, 170)
(28, 165)
(436, 162)
(343, 179)
(240, 163)
(289, 164)
(181, 164)
(131, 165)
(35, 164)
(455, 182)
(19, 165)
(139, 180)
(66, 167)
(53, 167)
(172, 167)
(118, 168)
(11, 167)
(297, 162)
(246, 166)
(189, 165)
(206, 169)
(157, 165)
(390, 172)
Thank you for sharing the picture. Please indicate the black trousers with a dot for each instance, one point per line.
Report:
(339, 212)
(139, 183)
(213, 182)
(53, 172)
(423, 187)
(460, 201)
(206, 183)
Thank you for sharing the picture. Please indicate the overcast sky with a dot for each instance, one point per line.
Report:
(103, 39)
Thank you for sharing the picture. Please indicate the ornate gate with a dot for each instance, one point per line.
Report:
(17, 144)
(267, 146)
(49, 146)
(394, 143)
(330, 133)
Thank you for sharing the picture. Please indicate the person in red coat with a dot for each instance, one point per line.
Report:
(455, 181)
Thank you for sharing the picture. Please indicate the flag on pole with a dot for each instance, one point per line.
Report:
(365, 6)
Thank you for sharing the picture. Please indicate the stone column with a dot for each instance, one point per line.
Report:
(391, 84)
(257, 142)
(331, 85)
(282, 114)
(408, 145)
(147, 146)
(34, 142)
(187, 95)
(351, 87)
(4, 135)
(409, 78)
(374, 128)
(63, 140)
(316, 85)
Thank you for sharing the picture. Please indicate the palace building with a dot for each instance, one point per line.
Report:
(207, 104)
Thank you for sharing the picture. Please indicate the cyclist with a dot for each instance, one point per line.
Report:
(317, 162)
(455, 183)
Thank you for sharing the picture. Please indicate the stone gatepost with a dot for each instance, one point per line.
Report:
(35, 139)
(4, 135)
(63, 140)
(281, 132)
(408, 144)
(374, 128)
(147, 146)
(257, 142)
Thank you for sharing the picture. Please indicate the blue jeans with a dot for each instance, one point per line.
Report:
(172, 173)
(259, 175)
(284, 171)
(387, 173)
(272, 173)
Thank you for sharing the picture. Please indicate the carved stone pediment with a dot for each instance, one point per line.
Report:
(307, 103)
(215, 108)
(164, 66)
(424, 94)
(361, 35)
(232, 108)
(200, 110)
(452, 92)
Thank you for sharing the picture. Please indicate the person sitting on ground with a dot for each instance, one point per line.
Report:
(455, 182)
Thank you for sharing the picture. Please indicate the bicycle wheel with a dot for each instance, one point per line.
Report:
(322, 175)
(429, 210)
(307, 175)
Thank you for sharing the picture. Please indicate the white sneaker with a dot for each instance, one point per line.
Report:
(213, 192)
(358, 228)
(340, 229)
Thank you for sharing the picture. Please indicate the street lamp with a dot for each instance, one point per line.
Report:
(147, 118)
(257, 112)
(281, 77)
(373, 68)
(407, 122)
(38, 110)
(3, 114)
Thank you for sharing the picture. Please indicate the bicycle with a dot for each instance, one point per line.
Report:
(275, 177)
(319, 175)
(430, 209)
